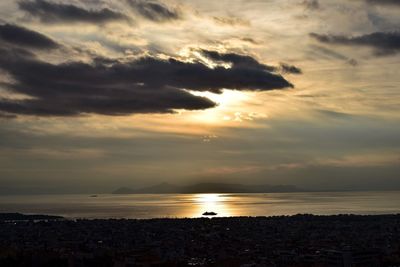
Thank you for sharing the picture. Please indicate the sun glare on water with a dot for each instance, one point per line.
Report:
(211, 199)
(211, 203)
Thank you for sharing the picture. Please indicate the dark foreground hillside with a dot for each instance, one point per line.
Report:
(301, 240)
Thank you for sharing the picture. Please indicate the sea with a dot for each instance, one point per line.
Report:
(145, 206)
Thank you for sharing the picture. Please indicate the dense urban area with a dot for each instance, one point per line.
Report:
(300, 240)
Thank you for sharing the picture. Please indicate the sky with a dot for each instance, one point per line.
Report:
(99, 94)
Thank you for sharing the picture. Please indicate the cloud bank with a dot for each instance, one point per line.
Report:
(147, 84)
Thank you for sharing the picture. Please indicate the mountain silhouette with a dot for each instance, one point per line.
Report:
(167, 188)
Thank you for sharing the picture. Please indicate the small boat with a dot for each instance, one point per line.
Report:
(93, 196)
(209, 213)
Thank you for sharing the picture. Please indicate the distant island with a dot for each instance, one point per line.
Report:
(167, 188)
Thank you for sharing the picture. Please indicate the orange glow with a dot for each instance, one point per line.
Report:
(218, 203)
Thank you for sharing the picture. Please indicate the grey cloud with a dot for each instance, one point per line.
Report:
(154, 10)
(325, 53)
(352, 62)
(328, 52)
(6, 116)
(250, 40)
(112, 87)
(49, 12)
(231, 21)
(383, 2)
(383, 42)
(286, 68)
(311, 4)
(333, 114)
(21, 36)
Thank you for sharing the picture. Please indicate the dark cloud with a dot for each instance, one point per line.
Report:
(249, 62)
(49, 12)
(154, 10)
(21, 36)
(111, 87)
(237, 60)
(286, 68)
(383, 42)
(383, 2)
(311, 4)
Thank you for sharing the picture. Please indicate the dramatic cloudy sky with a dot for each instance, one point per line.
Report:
(98, 94)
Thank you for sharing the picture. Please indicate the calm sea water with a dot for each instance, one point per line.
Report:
(193, 205)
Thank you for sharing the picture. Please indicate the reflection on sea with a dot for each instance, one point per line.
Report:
(218, 203)
(194, 205)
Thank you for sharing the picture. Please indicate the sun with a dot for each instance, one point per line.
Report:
(228, 103)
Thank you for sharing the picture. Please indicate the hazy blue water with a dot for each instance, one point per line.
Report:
(193, 205)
